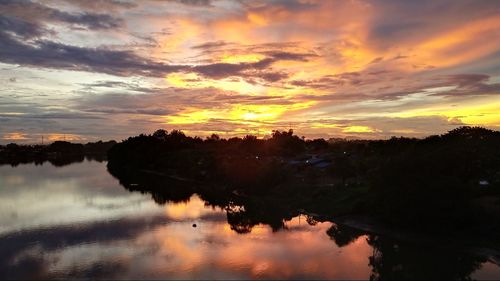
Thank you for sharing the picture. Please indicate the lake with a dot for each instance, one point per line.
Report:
(79, 221)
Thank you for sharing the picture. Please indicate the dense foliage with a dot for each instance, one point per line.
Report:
(444, 179)
(59, 153)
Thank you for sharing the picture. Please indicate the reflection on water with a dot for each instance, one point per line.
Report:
(78, 221)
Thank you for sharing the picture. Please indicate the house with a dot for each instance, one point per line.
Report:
(319, 163)
(484, 183)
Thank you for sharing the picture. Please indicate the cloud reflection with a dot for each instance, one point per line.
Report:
(116, 237)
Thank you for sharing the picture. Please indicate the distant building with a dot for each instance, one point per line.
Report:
(484, 183)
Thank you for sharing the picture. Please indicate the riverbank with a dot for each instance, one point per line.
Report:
(58, 153)
(447, 183)
(347, 205)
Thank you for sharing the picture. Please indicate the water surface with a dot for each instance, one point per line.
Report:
(78, 221)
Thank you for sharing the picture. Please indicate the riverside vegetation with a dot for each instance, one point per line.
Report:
(444, 183)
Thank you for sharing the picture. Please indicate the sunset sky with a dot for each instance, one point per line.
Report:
(87, 70)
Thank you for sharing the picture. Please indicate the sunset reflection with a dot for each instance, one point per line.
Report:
(109, 232)
(300, 250)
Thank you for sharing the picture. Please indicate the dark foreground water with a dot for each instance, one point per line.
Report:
(78, 221)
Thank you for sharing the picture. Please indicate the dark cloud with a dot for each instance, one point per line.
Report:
(469, 85)
(21, 21)
(118, 86)
(90, 21)
(21, 44)
(202, 3)
(268, 76)
(157, 111)
(211, 45)
(221, 70)
(376, 60)
(372, 85)
(261, 69)
(464, 80)
(39, 14)
(280, 55)
(280, 5)
(100, 5)
(13, 264)
(20, 27)
(339, 80)
(26, 254)
(327, 82)
(108, 84)
(65, 116)
(47, 54)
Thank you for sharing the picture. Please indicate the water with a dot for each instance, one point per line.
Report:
(78, 221)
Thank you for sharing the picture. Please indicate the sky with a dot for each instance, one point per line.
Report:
(107, 69)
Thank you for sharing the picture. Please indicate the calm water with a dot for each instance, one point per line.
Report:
(78, 221)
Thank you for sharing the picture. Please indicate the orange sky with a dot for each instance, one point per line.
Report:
(363, 69)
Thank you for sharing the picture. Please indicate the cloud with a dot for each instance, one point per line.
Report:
(211, 45)
(280, 55)
(224, 60)
(64, 116)
(220, 70)
(259, 69)
(202, 3)
(37, 13)
(168, 101)
(48, 54)
(42, 53)
(380, 127)
(469, 85)
(13, 263)
(100, 5)
(20, 27)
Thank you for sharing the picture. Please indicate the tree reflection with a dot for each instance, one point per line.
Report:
(393, 260)
(243, 212)
(163, 189)
(239, 221)
(343, 235)
(390, 259)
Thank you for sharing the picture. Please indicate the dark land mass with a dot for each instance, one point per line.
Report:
(446, 183)
(408, 196)
(58, 153)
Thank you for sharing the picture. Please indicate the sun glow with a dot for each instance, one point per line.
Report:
(241, 58)
(239, 113)
(359, 129)
(15, 136)
(329, 68)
